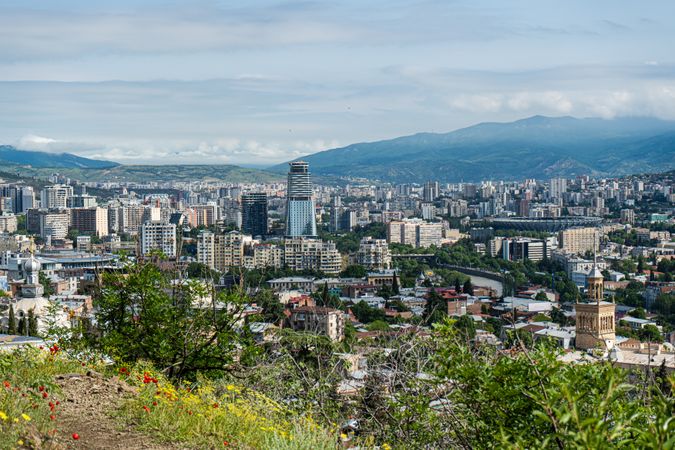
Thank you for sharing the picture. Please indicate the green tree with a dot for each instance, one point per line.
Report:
(541, 295)
(466, 327)
(650, 333)
(22, 327)
(394, 285)
(273, 310)
(468, 287)
(46, 284)
(32, 323)
(141, 315)
(378, 325)
(638, 313)
(11, 321)
(354, 271)
(436, 307)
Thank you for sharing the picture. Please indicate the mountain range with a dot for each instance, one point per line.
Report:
(12, 156)
(536, 147)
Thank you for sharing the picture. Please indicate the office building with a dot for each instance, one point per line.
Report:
(430, 191)
(300, 212)
(628, 216)
(519, 248)
(254, 213)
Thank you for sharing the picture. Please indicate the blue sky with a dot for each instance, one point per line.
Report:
(260, 82)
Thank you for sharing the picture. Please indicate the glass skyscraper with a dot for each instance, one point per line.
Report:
(300, 211)
(254, 213)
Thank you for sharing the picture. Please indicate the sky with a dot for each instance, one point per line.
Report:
(260, 82)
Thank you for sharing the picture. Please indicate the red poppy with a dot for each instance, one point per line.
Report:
(76, 436)
(147, 410)
(52, 417)
(45, 395)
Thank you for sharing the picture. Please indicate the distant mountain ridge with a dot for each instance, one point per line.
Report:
(14, 156)
(536, 147)
(42, 164)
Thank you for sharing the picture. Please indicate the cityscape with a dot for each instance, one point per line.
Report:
(508, 284)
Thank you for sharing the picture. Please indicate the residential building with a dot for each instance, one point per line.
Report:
(8, 223)
(90, 220)
(578, 240)
(222, 251)
(303, 253)
(415, 232)
(319, 320)
(56, 196)
(373, 254)
(158, 236)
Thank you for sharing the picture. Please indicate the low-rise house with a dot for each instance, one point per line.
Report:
(319, 320)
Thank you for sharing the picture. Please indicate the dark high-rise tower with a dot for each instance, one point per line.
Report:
(300, 214)
(254, 213)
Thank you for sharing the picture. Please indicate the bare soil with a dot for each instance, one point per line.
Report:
(87, 405)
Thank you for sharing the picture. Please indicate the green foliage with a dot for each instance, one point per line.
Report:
(354, 271)
(436, 308)
(46, 284)
(142, 316)
(367, 314)
(11, 321)
(378, 325)
(32, 323)
(533, 400)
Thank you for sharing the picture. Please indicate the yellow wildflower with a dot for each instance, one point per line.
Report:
(20, 442)
(3, 416)
(26, 417)
(386, 446)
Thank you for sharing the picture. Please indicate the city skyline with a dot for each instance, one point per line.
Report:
(266, 82)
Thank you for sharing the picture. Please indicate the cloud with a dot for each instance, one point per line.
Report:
(218, 151)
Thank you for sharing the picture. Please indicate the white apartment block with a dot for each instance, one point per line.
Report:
(303, 253)
(54, 225)
(8, 223)
(415, 232)
(158, 236)
(374, 254)
(56, 197)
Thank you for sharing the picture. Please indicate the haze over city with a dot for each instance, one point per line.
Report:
(263, 82)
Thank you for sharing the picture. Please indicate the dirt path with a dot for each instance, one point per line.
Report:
(85, 404)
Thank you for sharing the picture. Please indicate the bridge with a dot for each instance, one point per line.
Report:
(496, 276)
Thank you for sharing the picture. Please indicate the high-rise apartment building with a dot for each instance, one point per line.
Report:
(431, 191)
(300, 213)
(415, 232)
(628, 216)
(304, 253)
(56, 196)
(374, 254)
(158, 236)
(90, 220)
(578, 240)
(558, 187)
(254, 213)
